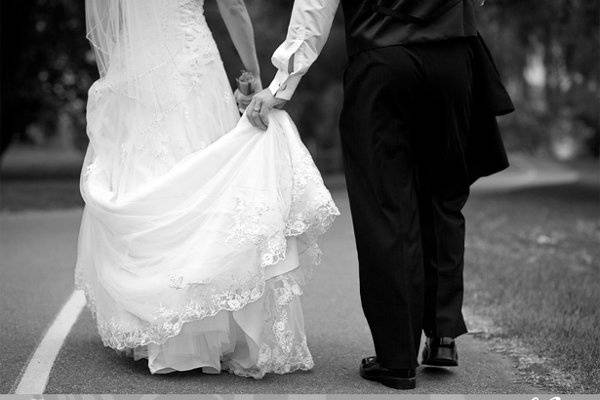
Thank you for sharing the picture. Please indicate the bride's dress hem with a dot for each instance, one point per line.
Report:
(214, 300)
(284, 355)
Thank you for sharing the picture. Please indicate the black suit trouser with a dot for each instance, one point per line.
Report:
(404, 122)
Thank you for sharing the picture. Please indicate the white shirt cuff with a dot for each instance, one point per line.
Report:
(284, 85)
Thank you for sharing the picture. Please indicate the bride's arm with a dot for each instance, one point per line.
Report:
(238, 23)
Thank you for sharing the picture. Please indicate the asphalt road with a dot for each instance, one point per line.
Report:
(36, 264)
(37, 253)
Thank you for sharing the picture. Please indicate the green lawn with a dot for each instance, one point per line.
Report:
(533, 269)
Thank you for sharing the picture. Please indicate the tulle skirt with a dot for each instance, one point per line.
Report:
(199, 232)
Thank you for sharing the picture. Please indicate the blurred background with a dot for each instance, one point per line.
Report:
(533, 258)
(547, 52)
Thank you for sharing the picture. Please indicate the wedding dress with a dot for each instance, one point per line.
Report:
(199, 230)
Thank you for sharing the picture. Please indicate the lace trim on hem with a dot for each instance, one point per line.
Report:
(282, 350)
(279, 370)
(168, 323)
(282, 353)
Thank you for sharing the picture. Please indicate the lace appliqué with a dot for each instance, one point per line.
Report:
(310, 216)
(283, 348)
(176, 75)
(251, 226)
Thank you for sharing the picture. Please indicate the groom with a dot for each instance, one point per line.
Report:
(418, 127)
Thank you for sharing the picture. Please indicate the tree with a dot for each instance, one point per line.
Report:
(565, 35)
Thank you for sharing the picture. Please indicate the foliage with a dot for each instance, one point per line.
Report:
(564, 36)
(49, 67)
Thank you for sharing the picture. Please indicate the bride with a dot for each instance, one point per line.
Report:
(199, 230)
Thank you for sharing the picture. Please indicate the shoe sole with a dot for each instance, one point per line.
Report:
(394, 383)
(440, 362)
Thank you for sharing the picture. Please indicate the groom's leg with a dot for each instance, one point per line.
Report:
(443, 231)
(443, 185)
(380, 169)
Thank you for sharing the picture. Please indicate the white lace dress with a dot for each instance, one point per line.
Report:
(199, 230)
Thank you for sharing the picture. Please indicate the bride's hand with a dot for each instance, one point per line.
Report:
(261, 105)
(242, 99)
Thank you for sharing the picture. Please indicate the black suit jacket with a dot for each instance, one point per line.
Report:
(374, 24)
(380, 23)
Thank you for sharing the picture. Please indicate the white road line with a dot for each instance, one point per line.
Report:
(36, 374)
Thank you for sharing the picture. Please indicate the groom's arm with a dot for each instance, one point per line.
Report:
(308, 31)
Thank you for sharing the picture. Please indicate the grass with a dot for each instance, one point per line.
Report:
(533, 268)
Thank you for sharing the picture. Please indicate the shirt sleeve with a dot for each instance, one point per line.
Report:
(308, 32)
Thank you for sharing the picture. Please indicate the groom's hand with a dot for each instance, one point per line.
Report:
(261, 105)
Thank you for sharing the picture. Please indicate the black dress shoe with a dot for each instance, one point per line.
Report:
(440, 352)
(395, 378)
